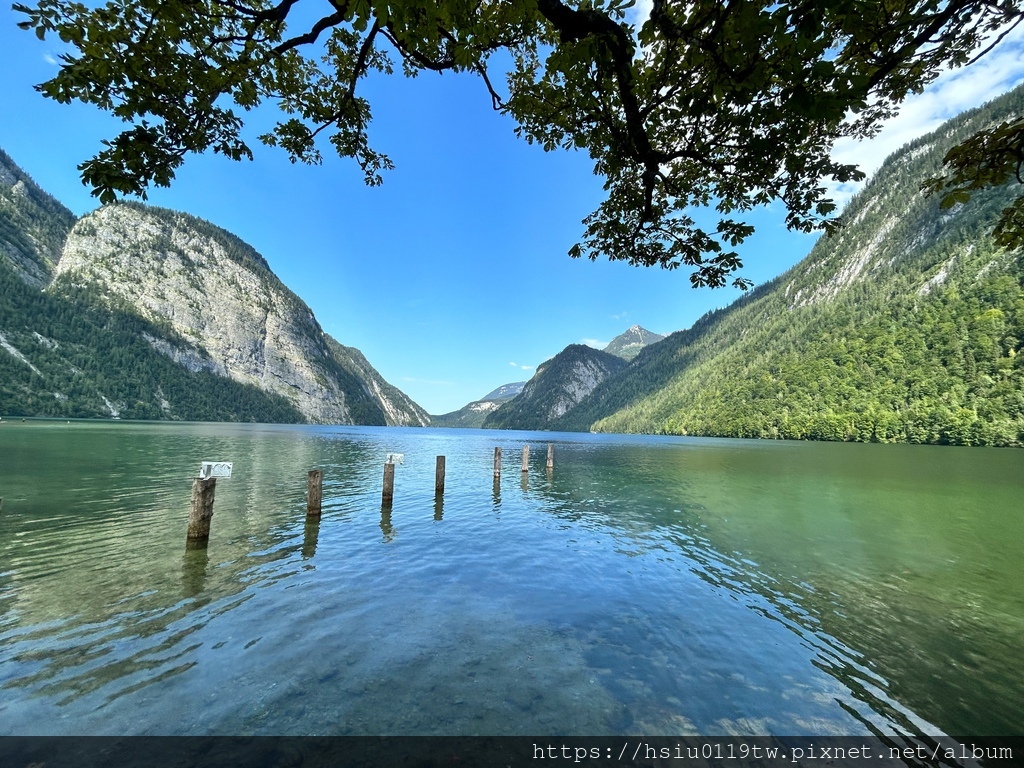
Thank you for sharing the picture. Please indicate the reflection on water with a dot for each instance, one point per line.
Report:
(193, 569)
(644, 586)
(310, 536)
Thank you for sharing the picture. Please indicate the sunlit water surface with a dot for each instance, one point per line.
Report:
(645, 586)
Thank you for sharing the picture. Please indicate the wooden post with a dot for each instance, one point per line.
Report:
(497, 462)
(551, 455)
(388, 494)
(201, 510)
(526, 458)
(314, 492)
(439, 477)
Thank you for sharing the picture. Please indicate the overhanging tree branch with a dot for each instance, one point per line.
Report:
(725, 104)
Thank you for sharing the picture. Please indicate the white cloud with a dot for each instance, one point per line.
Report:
(620, 316)
(50, 59)
(640, 12)
(594, 343)
(950, 94)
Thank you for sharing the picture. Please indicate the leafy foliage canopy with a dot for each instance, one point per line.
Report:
(728, 104)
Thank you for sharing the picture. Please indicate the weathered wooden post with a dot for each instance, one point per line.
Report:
(204, 487)
(314, 492)
(439, 477)
(497, 462)
(203, 491)
(551, 456)
(526, 458)
(388, 494)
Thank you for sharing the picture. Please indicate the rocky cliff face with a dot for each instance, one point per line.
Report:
(559, 385)
(398, 409)
(227, 312)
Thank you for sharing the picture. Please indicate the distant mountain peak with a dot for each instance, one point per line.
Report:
(628, 344)
(472, 414)
(557, 387)
(504, 392)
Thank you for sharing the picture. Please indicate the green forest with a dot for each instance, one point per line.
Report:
(81, 353)
(907, 326)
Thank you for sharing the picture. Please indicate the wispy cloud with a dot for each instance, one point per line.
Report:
(596, 344)
(49, 58)
(620, 316)
(950, 94)
(522, 367)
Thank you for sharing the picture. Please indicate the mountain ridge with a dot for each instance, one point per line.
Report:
(906, 326)
(557, 387)
(472, 415)
(174, 285)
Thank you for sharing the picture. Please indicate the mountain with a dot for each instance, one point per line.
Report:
(398, 408)
(905, 326)
(628, 344)
(33, 226)
(504, 392)
(472, 415)
(149, 313)
(556, 388)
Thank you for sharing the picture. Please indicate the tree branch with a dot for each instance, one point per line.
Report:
(310, 37)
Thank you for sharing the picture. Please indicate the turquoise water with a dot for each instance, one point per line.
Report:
(645, 586)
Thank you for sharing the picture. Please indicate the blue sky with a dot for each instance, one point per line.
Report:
(452, 278)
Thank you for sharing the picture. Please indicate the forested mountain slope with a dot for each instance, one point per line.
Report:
(557, 387)
(906, 326)
(472, 415)
(33, 226)
(64, 356)
(145, 313)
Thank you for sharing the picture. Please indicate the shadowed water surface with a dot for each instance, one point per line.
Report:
(645, 586)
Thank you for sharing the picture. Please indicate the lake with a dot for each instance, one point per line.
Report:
(647, 585)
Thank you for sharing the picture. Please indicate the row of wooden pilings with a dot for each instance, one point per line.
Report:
(204, 490)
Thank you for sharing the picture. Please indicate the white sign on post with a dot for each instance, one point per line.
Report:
(395, 458)
(219, 469)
